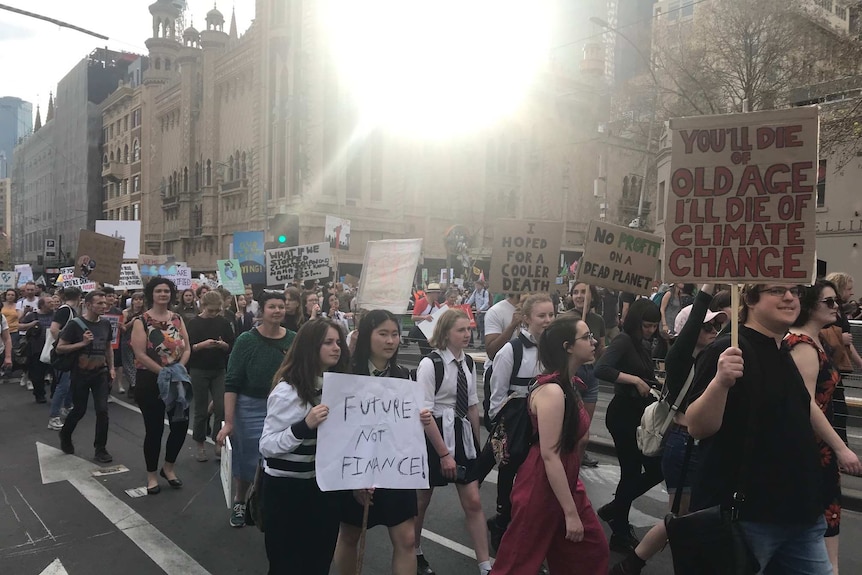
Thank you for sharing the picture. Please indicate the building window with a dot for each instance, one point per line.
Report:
(673, 10)
(136, 212)
(136, 151)
(167, 64)
(125, 213)
(660, 207)
(821, 184)
(126, 123)
(242, 169)
(230, 169)
(126, 154)
(185, 179)
(136, 184)
(136, 118)
(209, 173)
(687, 9)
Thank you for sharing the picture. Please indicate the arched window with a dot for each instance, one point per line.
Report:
(185, 179)
(243, 173)
(119, 155)
(158, 64)
(230, 169)
(197, 176)
(105, 161)
(167, 63)
(176, 183)
(126, 154)
(112, 155)
(170, 186)
(136, 151)
(209, 174)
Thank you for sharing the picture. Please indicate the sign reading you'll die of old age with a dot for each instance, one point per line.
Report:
(742, 197)
(524, 256)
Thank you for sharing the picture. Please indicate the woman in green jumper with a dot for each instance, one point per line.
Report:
(256, 356)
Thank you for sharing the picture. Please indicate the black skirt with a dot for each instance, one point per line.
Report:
(390, 507)
(469, 471)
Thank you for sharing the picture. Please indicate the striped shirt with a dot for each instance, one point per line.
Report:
(287, 444)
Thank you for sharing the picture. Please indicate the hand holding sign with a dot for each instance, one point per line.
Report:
(316, 416)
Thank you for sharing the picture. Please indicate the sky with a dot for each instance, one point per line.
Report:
(35, 55)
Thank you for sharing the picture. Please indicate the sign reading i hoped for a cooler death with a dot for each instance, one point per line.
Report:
(524, 255)
(373, 436)
(619, 258)
(308, 262)
(742, 197)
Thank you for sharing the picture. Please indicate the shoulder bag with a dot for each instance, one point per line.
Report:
(657, 418)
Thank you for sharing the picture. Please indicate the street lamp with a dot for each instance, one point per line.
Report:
(638, 222)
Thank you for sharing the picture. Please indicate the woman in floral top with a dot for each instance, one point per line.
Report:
(819, 308)
(159, 339)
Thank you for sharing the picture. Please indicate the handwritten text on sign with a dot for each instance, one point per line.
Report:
(524, 255)
(307, 262)
(742, 200)
(373, 436)
(619, 258)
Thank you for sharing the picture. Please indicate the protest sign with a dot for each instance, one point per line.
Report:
(153, 266)
(427, 326)
(742, 197)
(336, 232)
(127, 230)
(182, 277)
(619, 258)
(99, 257)
(248, 249)
(8, 280)
(524, 255)
(25, 273)
(387, 274)
(306, 262)
(115, 329)
(226, 471)
(373, 436)
(130, 277)
(85, 284)
(230, 276)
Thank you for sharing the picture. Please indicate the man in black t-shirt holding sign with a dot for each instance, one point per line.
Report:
(89, 337)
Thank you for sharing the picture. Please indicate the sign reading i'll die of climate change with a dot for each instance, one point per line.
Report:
(373, 436)
(524, 255)
(619, 258)
(741, 200)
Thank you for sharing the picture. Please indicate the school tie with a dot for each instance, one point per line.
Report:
(461, 395)
(528, 343)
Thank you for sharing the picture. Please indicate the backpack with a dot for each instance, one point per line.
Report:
(66, 361)
(657, 296)
(517, 358)
(439, 369)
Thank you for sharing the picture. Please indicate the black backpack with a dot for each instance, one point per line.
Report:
(517, 358)
(439, 368)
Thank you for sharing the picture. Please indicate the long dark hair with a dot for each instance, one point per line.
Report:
(810, 298)
(301, 364)
(553, 353)
(362, 352)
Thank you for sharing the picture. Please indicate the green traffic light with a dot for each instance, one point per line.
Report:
(282, 239)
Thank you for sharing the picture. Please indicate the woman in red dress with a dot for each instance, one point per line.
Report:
(552, 518)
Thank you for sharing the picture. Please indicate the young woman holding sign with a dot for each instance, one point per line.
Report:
(378, 338)
(300, 521)
(453, 443)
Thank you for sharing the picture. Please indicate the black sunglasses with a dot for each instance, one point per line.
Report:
(831, 302)
(711, 326)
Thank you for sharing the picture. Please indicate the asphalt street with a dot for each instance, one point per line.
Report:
(56, 517)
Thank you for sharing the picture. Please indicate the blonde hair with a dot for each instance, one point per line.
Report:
(440, 338)
(531, 302)
(840, 279)
(212, 298)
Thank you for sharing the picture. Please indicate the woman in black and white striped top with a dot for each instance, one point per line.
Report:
(300, 522)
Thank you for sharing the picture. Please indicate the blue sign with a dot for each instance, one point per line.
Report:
(248, 248)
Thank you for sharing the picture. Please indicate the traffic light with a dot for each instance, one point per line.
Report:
(285, 230)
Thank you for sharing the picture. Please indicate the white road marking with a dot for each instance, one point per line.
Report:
(56, 466)
(55, 568)
(449, 544)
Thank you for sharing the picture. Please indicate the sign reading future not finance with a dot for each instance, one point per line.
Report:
(742, 197)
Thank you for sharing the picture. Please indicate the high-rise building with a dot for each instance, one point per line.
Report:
(16, 121)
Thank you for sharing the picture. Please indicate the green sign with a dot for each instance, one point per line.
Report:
(231, 276)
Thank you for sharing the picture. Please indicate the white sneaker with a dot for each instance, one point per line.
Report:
(55, 423)
(29, 386)
(24, 381)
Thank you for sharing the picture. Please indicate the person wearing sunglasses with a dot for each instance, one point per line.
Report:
(699, 330)
(818, 309)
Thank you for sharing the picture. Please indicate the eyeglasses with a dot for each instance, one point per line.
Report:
(777, 291)
(588, 336)
(711, 326)
(831, 302)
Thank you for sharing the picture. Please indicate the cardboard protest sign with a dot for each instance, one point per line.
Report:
(336, 232)
(742, 197)
(130, 277)
(524, 255)
(25, 273)
(373, 436)
(230, 276)
(153, 266)
(387, 274)
(248, 249)
(99, 257)
(619, 258)
(8, 280)
(306, 262)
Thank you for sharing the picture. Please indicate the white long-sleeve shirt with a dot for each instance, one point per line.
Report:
(286, 436)
(502, 374)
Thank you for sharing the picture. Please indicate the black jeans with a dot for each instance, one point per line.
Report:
(153, 410)
(638, 473)
(81, 387)
(300, 526)
(37, 372)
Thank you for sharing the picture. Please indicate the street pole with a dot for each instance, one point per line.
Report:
(606, 26)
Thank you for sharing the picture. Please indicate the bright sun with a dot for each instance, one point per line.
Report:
(441, 68)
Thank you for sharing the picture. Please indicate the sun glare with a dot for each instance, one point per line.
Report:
(441, 68)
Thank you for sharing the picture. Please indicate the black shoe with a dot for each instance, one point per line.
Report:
(66, 444)
(176, 483)
(41, 399)
(496, 527)
(631, 565)
(154, 490)
(102, 456)
(606, 512)
(587, 461)
(624, 540)
(422, 567)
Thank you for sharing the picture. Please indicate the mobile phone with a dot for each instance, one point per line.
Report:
(460, 472)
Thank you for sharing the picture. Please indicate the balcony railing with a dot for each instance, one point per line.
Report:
(114, 171)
